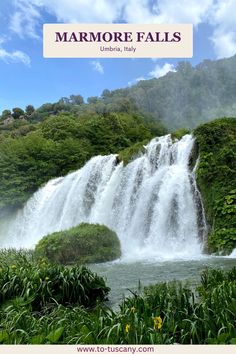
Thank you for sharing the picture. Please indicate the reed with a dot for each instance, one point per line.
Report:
(45, 304)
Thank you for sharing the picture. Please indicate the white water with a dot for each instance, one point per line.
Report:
(152, 203)
(233, 254)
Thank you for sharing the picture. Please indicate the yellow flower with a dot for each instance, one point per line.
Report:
(46, 278)
(157, 322)
(133, 309)
(13, 266)
(127, 328)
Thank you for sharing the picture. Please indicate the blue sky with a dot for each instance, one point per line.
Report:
(28, 78)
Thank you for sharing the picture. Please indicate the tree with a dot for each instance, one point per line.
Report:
(29, 109)
(185, 67)
(46, 108)
(6, 113)
(76, 99)
(106, 94)
(17, 112)
(92, 99)
(59, 128)
(64, 100)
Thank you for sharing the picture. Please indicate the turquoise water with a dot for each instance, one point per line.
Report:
(123, 276)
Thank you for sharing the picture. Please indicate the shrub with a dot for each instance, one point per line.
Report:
(85, 243)
(216, 179)
(128, 154)
(167, 313)
(31, 154)
(40, 284)
(178, 134)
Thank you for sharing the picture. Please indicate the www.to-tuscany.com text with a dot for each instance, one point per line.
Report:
(115, 349)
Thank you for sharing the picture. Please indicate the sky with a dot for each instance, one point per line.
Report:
(28, 78)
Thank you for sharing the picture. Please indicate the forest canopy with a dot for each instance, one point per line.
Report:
(184, 98)
(31, 154)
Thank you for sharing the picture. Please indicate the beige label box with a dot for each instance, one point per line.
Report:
(131, 349)
(118, 40)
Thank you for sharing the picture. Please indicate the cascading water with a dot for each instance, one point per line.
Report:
(152, 203)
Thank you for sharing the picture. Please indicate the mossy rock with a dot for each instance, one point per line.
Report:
(85, 243)
(132, 152)
(178, 134)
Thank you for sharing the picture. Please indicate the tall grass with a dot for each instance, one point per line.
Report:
(43, 284)
(66, 308)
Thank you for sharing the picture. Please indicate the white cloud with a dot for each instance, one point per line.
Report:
(25, 19)
(223, 18)
(183, 11)
(224, 43)
(82, 10)
(97, 66)
(157, 72)
(220, 14)
(14, 57)
(224, 13)
(132, 11)
(139, 11)
(160, 71)
(135, 81)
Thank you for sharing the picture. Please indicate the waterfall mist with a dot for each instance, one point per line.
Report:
(152, 203)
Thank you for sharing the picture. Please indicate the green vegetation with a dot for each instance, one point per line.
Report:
(178, 134)
(26, 282)
(57, 138)
(184, 98)
(64, 312)
(132, 152)
(188, 97)
(29, 161)
(171, 313)
(216, 179)
(31, 154)
(85, 243)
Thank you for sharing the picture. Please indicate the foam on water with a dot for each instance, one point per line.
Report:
(152, 203)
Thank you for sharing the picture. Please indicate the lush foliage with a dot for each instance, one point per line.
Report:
(189, 96)
(25, 282)
(68, 132)
(32, 154)
(216, 179)
(178, 134)
(132, 152)
(167, 313)
(85, 243)
(184, 98)
(170, 313)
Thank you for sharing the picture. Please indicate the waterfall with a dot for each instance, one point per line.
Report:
(152, 203)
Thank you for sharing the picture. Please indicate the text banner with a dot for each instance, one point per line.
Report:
(118, 41)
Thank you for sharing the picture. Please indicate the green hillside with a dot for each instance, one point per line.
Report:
(185, 98)
(33, 153)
